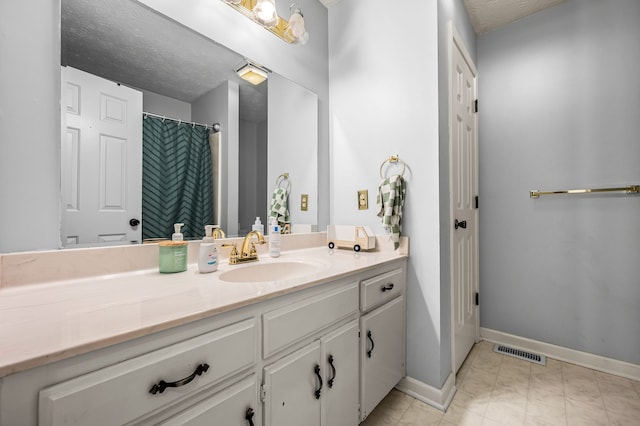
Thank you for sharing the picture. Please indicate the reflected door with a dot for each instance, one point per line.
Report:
(101, 160)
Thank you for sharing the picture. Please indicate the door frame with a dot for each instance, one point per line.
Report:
(455, 39)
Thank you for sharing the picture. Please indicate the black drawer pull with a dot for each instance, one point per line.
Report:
(162, 385)
(370, 351)
(317, 371)
(333, 375)
(387, 287)
(249, 416)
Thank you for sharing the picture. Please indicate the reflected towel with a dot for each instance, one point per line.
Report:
(391, 193)
(278, 207)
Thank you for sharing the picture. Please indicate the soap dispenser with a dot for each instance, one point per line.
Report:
(258, 226)
(173, 254)
(208, 256)
(177, 235)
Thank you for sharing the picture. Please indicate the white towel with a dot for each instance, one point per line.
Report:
(391, 193)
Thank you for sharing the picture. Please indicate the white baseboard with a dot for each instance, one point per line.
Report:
(438, 398)
(585, 359)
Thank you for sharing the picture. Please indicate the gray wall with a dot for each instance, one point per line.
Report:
(560, 108)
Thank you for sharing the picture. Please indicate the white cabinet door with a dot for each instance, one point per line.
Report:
(293, 388)
(340, 367)
(381, 352)
(233, 406)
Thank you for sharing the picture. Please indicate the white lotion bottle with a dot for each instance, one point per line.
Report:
(274, 238)
(208, 256)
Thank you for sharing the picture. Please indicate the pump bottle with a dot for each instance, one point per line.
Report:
(208, 256)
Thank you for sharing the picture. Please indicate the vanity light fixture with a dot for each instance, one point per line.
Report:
(264, 13)
(252, 73)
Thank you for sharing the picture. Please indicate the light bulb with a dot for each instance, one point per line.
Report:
(265, 13)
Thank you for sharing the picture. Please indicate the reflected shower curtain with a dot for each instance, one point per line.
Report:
(176, 178)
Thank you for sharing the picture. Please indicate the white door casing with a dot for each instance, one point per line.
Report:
(463, 189)
(101, 158)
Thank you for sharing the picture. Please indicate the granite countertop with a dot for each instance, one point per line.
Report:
(46, 322)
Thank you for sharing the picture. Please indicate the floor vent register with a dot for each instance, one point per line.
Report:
(517, 353)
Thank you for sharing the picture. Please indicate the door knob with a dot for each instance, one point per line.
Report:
(134, 222)
(462, 224)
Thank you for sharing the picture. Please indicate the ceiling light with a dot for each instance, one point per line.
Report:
(252, 73)
(296, 29)
(265, 13)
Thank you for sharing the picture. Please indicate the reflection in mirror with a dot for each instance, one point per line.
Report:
(172, 72)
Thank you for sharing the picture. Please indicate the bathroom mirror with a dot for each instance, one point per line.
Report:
(174, 67)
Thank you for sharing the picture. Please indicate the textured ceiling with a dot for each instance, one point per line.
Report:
(487, 15)
(124, 41)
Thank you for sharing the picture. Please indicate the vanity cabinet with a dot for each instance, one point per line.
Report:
(320, 356)
(382, 343)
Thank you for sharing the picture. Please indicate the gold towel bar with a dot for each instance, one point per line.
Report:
(632, 189)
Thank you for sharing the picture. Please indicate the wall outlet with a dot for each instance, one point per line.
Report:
(363, 199)
(304, 202)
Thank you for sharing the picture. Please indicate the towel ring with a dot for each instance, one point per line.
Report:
(281, 178)
(393, 159)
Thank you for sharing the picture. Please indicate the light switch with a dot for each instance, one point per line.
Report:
(304, 202)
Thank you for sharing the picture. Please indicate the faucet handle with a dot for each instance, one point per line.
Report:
(233, 255)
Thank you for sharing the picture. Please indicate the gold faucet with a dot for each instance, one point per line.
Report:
(248, 251)
(218, 233)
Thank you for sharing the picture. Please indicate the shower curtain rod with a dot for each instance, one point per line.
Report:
(215, 127)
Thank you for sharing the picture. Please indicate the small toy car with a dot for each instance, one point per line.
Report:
(350, 237)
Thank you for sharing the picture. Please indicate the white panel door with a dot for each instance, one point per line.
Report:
(101, 160)
(381, 353)
(340, 367)
(294, 387)
(463, 190)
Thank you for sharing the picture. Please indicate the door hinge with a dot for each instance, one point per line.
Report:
(476, 200)
(475, 106)
(263, 393)
(477, 299)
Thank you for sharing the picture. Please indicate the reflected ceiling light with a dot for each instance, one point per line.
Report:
(296, 29)
(265, 13)
(252, 73)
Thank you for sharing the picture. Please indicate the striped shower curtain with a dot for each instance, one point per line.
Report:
(176, 178)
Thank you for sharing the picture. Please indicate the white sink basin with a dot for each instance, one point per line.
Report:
(272, 271)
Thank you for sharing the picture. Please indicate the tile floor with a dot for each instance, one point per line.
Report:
(496, 389)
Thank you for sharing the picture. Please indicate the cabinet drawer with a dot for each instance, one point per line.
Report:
(288, 324)
(123, 392)
(380, 289)
(233, 406)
